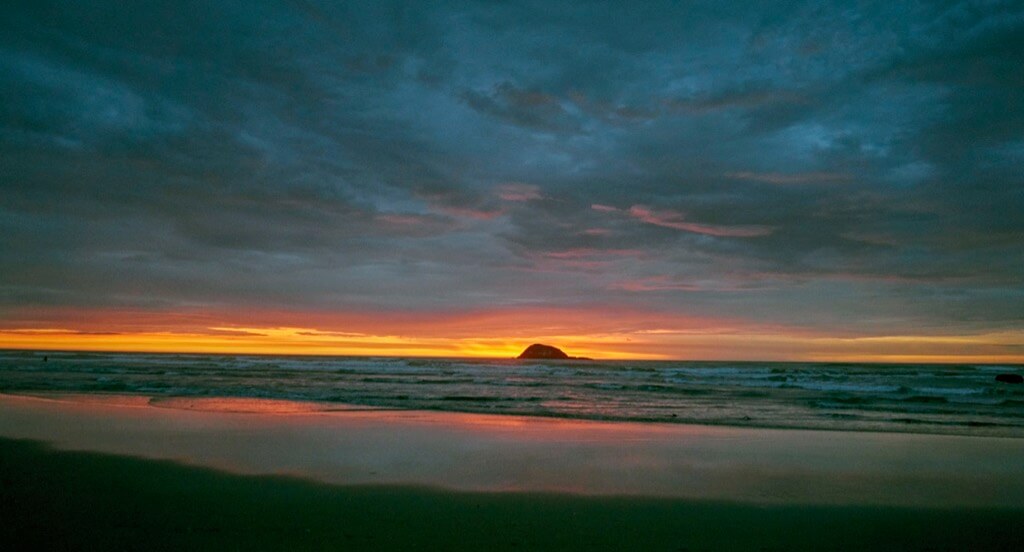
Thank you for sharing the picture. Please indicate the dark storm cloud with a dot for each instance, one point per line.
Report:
(837, 163)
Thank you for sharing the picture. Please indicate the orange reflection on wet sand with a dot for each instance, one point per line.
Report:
(480, 452)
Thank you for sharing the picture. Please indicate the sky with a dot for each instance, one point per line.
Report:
(695, 180)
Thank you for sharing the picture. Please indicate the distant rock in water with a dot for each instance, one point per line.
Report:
(1005, 378)
(538, 350)
(542, 351)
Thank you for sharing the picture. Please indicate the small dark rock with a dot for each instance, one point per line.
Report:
(542, 351)
(1010, 378)
(538, 350)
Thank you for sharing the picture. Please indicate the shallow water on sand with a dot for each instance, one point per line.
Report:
(917, 398)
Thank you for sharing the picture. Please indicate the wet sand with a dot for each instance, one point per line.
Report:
(113, 472)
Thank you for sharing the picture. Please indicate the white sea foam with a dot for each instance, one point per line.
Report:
(855, 396)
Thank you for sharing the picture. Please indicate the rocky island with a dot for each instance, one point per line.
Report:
(541, 351)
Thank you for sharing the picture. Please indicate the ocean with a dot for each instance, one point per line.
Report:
(914, 398)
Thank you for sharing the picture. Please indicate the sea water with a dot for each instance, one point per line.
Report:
(924, 398)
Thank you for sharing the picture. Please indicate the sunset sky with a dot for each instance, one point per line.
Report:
(696, 180)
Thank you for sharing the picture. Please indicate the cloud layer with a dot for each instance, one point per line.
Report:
(852, 169)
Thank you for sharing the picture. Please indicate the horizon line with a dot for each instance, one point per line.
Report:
(906, 358)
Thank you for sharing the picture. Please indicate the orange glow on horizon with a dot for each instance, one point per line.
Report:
(301, 341)
(635, 344)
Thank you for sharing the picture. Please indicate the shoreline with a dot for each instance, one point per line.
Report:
(497, 453)
(312, 406)
(105, 472)
(925, 399)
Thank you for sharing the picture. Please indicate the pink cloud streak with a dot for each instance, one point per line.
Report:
(515, 191)
(672, 219)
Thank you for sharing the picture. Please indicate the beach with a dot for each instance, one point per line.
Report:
(528, 276)
(87, 471)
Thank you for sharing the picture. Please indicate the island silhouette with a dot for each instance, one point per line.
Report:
(541, 351)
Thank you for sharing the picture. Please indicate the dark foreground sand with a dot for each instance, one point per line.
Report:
(87, 501)
(280, 479)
